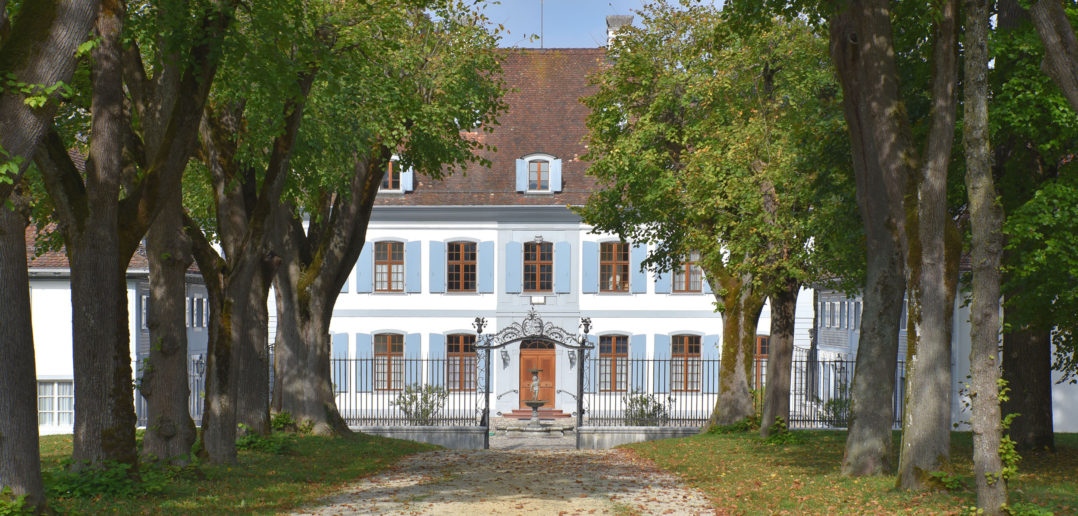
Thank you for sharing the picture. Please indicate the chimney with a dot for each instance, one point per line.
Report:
(615, 22)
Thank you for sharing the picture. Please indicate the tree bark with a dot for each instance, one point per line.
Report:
(742, 312)
(1060, 47)
(986, 222)
(252, 363)
(20, 459)
(39, 50)
(853, 47)
(1027, 368)
(780, 357)
(170, 432)
(926, 422)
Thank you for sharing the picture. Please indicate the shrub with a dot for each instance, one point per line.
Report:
(749, 424)
(276, 443)
(644, 409)
(11, 504)
(283, 422)
(113, 479)
(836, 411)
(421, 404)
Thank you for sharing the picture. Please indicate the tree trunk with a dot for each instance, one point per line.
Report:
(986, 223)
(742, 312)
(1060, 47)
(252, 363)
(857, 53)
(926, 422)
(104, 409)
(780, 357)
(39, 50)
(20, 460)
(1027, 368)
(170, 432)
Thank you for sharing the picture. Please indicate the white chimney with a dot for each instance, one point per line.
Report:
(615, 22)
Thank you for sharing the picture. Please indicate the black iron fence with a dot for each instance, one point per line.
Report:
(395, 391)
(196, 385)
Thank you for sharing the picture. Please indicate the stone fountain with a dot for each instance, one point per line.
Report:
(535, 402)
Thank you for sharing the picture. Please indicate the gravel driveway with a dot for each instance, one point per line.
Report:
(543, 481)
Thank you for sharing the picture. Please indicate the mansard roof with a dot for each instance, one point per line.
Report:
(544, 116)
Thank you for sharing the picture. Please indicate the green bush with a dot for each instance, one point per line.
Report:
(283, 422)
(749, 424)
(113, 479)
(276, 443)
(422, 404)
(11, 505)
(644, 409)
(836, 411)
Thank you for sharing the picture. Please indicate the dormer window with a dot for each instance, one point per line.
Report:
(538, 173)
(397, 178)
(392, 180)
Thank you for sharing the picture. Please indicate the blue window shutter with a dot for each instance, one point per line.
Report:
(563, 267)
(555, 175)
(589, 267)
(413, 269)
(638, 278)
(522, 175)
(639, 367)
(485, 267)
(661, 367)
(514, 254)
(709, 353)
(407, 180)
(365, 269)
(413, 366)
(662, 282)
(437, 266)
(436, 365)
(339, 351)
(364, 362)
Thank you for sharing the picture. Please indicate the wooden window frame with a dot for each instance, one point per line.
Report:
(392, 266)
(613, 267)
(540, 257)
(460, 367)
(392, 180)
(541, 182)
(685, 356)
(393, 355)
(461, 270)
(687, 272)
(613, 363)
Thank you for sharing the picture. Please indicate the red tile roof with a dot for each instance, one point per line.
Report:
(58, 259)
(544, 115)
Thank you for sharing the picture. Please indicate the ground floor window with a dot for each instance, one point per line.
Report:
(685, 366)
(388, 361)
(460, 350)
(55, 403)
(613, 362)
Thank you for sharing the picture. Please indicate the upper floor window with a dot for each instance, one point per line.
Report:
(687, 277)
(389, 267)
(460, 266)
(539, 175)
(685, 363)
(392, 179)
(613, 362)
(613, 267)
(460, 365)
(388, 361)
(538, 267)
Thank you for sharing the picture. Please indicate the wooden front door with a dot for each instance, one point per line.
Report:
(537, 355)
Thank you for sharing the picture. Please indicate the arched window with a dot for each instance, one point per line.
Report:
(388, 361)
(613, 363)
(460, 362)
(685, 363)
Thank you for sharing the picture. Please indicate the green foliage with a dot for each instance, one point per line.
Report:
(422, 404)
(11, 505)
(642, 409)
(112, 479)
(276, 443)
(836, 410)
(283, 422)
(781, 434)
(947, 480)
(749, 424)
(1026, 509)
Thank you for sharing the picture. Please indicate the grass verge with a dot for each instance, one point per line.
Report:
(295, 471)
(742, 474)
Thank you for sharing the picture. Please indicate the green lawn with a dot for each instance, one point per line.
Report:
(262, 482)
(744, 475)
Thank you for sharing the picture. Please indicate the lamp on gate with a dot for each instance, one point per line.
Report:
(505, 357)
(200, 365)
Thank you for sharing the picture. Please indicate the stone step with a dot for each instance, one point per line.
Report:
(543, 414)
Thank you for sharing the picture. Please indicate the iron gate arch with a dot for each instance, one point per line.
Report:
(532, 327)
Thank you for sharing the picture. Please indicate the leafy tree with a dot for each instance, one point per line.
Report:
(700, 139)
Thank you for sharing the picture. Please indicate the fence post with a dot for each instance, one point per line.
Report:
(579, 392)
(486, 400)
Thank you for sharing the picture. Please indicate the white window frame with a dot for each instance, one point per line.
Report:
(53, 411)
(527, 173)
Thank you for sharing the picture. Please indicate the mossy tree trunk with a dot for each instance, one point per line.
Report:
(780, 357)
(742, 306)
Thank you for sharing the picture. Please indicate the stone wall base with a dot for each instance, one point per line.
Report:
(452, 437)
(601, 437)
